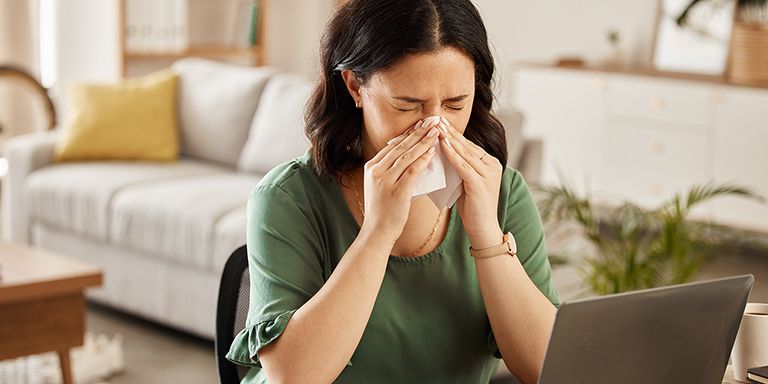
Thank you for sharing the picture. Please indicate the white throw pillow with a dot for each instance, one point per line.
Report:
(512, 120)
(277, 133)
(216, 106)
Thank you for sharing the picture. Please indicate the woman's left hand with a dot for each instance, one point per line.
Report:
(481, 173)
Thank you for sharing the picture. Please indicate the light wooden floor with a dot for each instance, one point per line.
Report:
(153, 353)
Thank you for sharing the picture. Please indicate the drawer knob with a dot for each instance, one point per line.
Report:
(599, 83)
(656, 147)
(720, 97)
(656, 103)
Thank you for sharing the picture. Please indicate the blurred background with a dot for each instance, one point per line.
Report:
(639, 125)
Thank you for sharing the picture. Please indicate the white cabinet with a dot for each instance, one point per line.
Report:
(648, 165)
(563, 108)
(644, 138)
(668, 102)
(740, 153)
(656, 136)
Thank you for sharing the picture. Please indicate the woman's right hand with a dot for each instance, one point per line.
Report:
(389, 178)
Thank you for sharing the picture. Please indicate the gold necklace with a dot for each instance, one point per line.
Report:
(362, 212)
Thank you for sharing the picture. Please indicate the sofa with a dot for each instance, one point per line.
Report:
(162, 232)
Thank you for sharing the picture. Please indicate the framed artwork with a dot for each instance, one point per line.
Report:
(693, 36)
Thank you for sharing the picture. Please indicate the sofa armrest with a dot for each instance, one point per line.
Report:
(24, 153)
(530, 161)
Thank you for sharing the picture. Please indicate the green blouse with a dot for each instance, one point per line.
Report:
(428, 324)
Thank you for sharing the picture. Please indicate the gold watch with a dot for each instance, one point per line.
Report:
(507, 247)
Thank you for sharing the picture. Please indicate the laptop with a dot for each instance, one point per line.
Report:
(671, 335)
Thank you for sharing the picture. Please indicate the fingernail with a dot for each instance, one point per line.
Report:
(432, 132)
(444, 120)
(431, 150)
(393, 140)
(418, 124)
(448, 143)
(425, 123)
(443, 127)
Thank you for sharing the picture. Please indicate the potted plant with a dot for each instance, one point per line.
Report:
(748, 58)
(746, 8)
(637, 248)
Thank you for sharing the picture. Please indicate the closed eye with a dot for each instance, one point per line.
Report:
(452, 107)
(452, 103)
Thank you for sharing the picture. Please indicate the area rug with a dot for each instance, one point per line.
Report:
(99, 359)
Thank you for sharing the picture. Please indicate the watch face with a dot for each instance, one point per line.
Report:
(511, 241)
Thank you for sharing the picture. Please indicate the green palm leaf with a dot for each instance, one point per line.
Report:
(638, 248)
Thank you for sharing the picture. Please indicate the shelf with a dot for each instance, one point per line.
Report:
(204, 27)
(646, 71)
(208, 52)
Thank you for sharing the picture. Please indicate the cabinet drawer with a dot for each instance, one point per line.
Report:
(671, 101)
(650, 165)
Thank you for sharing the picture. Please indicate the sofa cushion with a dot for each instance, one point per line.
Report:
(512, 120)
(277, 133)
(176, 219)
(228, 235)
(131, 120)
(77, 196)
(216, 106)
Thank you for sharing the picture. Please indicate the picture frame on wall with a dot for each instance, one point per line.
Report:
(692, 36)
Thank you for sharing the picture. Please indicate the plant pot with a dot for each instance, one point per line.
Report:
(749, 53)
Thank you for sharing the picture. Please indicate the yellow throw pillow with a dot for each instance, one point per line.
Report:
(132, 120)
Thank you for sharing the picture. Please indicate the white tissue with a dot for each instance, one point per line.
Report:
(445, 197)
(440, 181)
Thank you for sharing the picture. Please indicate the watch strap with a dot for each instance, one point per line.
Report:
(505, 248)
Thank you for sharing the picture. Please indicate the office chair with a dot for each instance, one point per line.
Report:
(231, 313)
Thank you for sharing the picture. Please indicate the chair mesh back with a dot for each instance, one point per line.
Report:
(231, 313)
(241, 312)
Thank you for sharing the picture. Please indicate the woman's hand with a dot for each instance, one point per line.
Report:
(390, 175)
(481, 174)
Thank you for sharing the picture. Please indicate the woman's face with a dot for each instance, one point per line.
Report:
(419, 85)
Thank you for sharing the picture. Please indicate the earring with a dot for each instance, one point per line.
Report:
(357, 104)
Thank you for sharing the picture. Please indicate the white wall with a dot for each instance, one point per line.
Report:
(85, 44)
(519, 31)
(85, 36)
(19, 108)
(86, 40)
(543, 30)
(293, 31)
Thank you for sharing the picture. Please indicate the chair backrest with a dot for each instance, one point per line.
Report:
(231, 313)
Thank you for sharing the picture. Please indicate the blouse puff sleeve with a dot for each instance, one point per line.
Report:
(520, 216)
(284, 262)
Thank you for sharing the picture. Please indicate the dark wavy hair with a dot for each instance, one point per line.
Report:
(368, 36)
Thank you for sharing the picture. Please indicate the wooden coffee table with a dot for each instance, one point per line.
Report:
(42, 306)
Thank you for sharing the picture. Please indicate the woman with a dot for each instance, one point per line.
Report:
(352, 280)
